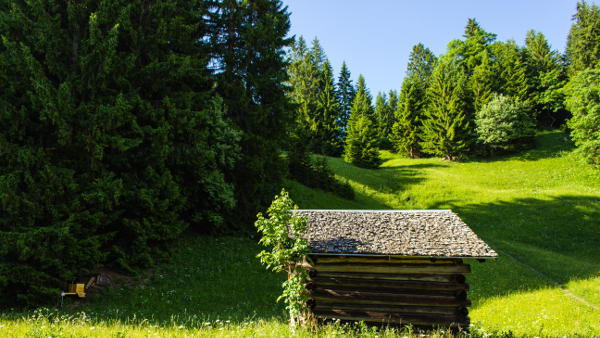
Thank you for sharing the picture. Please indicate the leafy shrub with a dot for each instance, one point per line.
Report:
(504, 123)
(282, 232)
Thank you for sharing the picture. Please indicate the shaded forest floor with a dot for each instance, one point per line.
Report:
(539, 209)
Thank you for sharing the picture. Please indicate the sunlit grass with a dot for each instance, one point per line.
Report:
(540, 206)
(542, 312)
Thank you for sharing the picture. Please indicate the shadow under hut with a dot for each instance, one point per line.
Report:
(392, 267)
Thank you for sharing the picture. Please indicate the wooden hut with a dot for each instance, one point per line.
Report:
(392, 267)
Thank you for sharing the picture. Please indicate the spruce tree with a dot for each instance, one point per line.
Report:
(546, 77)
(112, 140)
(361, 140)
(252, 76)
(583, 42)
(512, 80)
(345, 96)
(583, 100)
(406, 131)
(328, 140)
(475, 57)
(362, 103)
(445, 129)
(381, 106)
(384, 110)
(483, 81)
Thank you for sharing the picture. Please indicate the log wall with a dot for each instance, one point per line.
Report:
(384, 290)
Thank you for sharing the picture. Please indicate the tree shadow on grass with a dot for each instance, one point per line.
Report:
(547, 145)
(558, 237)
(390, 179)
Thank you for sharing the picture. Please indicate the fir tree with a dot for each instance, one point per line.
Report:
(328, 140)
(445, 126)
(361, 140)
(345, 96)
(475, 57)
(583, 42)
(384, 110)
(381, 107)
(362, 103)
(483, 82)
(250, 50)
(406, 131)
(583, 100)
(546, 77)
(512, 80)
(112, 140)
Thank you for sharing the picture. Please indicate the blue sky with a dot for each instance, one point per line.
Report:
(375, 37)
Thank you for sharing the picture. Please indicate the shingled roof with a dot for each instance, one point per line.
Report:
(413, 233)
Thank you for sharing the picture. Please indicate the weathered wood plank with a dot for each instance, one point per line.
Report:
(400, 284)
(328, 259)
(458, 278)
(346, 296)
(395, 318)
(444, 269)
(444, 310)
(458, 294)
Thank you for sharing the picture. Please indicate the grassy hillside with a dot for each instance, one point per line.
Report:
(539, 209)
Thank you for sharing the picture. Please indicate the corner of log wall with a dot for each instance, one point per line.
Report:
(422, 292)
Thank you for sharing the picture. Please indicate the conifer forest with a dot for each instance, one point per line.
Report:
(126, 124)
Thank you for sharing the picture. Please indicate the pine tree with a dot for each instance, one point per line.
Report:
(361, 140)
(406, 131)
(583, 42)
(345, 96)
(445, 126)
(112, 140)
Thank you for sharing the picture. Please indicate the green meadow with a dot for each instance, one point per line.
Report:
(539, 209)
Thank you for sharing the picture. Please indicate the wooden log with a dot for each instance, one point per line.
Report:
(460, 294)
(446, 293)
(443, 269)
(444, 310)
(384, 260)
(345, 296)
(400, 284)
(391, 276)
(396, 318)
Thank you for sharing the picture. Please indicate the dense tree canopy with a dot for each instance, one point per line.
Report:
(114, 139)
(583, 100)
(583, 42)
